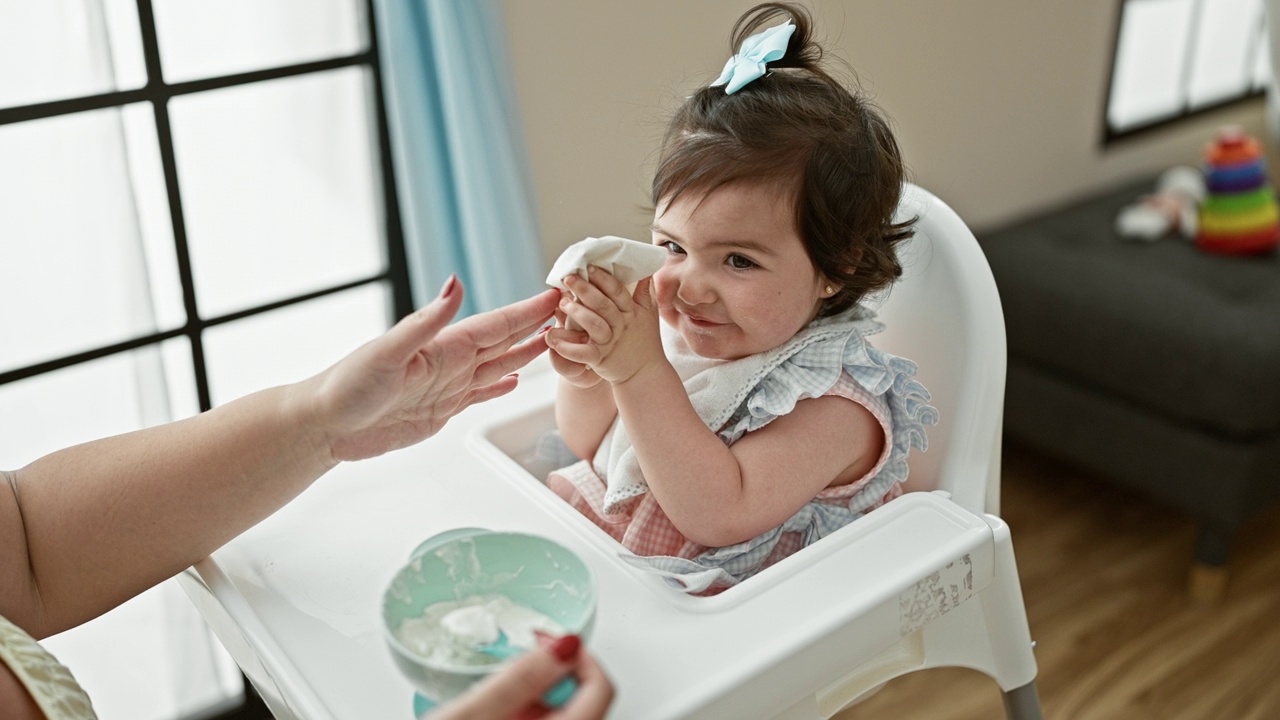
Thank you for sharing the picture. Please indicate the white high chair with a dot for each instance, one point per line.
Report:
(963, 604)
(945, 314)
(926, 580)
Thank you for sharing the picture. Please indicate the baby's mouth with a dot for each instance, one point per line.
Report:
(701, 322)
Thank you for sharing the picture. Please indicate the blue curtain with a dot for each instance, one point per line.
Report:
(461, 171)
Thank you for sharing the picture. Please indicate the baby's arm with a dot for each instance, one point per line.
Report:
(583, 416)
(584, 402)
(718, 495)
(715, 495)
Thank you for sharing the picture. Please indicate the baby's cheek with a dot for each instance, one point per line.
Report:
(664, 287)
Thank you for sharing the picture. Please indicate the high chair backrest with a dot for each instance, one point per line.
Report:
(944, 314)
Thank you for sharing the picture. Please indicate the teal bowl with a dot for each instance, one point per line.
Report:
(527, 569)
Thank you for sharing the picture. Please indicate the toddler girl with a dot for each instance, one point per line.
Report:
(731, 408)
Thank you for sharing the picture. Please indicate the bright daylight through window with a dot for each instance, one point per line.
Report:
(184, 186)
(1174, 58)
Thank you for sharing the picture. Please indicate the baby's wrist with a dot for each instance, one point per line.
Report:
(583, 381)
(640, 374)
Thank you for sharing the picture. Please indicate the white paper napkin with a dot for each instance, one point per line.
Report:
(627, 260)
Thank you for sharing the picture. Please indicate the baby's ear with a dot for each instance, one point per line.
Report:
(836, 287)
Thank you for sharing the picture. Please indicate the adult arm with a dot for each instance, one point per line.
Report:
(15, 701)
(86, 528)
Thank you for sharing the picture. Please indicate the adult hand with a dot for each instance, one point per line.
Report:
(402, 387)
(516, 692)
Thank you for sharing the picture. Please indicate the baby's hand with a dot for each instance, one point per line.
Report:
(575, 373)
(621, 329)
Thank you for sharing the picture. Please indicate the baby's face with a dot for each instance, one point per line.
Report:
(737, 280)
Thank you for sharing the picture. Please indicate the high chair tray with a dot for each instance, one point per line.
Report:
(296, 599)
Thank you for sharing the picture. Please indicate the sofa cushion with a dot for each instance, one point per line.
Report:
(1192, 336)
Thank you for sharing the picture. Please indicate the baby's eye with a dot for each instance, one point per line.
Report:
(671, 247)
(739, 262)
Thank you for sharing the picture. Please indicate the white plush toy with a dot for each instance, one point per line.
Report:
(1172, 208)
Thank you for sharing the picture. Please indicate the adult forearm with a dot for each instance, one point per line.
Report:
(583, 416)
(108, 519)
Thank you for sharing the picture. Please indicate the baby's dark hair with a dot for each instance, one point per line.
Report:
(799, 128)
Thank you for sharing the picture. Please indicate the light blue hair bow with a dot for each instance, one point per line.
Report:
(763, 47)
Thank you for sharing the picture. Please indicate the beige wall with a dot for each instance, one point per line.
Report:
(998, 103)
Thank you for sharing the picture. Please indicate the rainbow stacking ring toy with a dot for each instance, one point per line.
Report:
(1239, 214)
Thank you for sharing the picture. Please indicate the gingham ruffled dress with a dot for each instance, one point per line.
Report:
(829, 357)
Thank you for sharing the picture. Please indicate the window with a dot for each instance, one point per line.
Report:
(196, 201)
(1175, 58)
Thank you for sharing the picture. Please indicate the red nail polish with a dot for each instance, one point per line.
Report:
(566, 648)
(544, 330)
(449, 286)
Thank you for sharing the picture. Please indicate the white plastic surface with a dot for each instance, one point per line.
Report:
(298, 595)
(296, 599)
(944, 313)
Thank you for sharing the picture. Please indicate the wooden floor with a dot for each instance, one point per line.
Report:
(1103, 575)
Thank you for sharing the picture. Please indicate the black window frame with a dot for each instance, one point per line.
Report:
(158, 93)
(1111, 135)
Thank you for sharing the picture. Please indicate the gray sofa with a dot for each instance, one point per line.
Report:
(1154, 365)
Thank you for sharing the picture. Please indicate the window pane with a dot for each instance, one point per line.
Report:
(1262, 60)
(1146, 79)
(1224, 40)
(207, 39)
(56, 49)
(151, 198)
(278, 187)
(292, 343)
(116, 394)
(74, 243)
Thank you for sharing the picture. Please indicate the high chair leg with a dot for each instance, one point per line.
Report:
(1023, 703)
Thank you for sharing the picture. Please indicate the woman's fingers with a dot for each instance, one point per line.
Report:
(419, 327)
(514, 689)
(511, 360)
(510, 323)
(486, 336)
(516, 339)
(594, 695)
(504, 385)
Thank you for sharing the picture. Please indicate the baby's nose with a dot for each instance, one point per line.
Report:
(694, 289)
